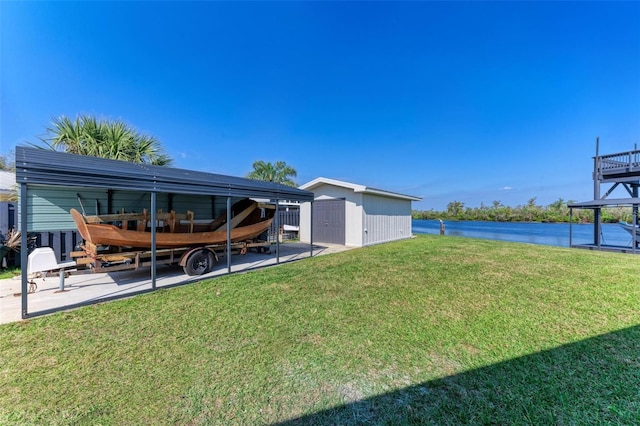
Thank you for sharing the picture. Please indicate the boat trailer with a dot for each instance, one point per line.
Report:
(194, 260)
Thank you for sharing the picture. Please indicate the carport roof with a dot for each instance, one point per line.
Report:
(36, 166)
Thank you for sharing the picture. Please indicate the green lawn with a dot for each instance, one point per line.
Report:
(9, 272)
(433, 330)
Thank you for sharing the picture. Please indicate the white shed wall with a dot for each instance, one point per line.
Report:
(304, 232)
(385, 219)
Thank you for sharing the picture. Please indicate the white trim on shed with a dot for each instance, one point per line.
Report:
(372, 215)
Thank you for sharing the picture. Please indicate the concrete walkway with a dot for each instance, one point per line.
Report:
(89, 288)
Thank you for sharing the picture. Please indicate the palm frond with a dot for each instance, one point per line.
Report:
(279, 172)
(88, 135)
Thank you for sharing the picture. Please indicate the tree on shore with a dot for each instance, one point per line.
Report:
(278, 172)
(87, 135)
(455, 208)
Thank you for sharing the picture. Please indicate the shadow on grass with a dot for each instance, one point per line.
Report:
(594, 381)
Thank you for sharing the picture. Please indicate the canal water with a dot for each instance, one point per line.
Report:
(552, 234)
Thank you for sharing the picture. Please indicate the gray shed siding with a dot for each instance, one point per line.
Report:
(353, 213)
(329, 221)
(385, 219)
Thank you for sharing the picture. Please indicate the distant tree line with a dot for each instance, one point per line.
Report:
(530, 212)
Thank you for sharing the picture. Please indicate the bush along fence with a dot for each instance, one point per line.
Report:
(62, 243)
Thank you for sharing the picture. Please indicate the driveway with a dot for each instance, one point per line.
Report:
(90, 288)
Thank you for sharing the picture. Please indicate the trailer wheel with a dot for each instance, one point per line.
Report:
(199, 262)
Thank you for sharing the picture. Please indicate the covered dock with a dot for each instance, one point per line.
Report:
(619, 171)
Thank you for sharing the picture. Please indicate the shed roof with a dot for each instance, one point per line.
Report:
(43, 167)
(357, 188)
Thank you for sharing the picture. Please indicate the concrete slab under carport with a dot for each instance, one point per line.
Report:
(88, 288)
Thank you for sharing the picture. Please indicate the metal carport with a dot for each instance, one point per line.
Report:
(44, 168)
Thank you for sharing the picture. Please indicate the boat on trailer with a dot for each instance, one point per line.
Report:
(125, 238)
(173, 230)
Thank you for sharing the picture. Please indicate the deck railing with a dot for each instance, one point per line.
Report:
(623, 161)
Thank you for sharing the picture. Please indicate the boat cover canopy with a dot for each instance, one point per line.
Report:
(35, 166)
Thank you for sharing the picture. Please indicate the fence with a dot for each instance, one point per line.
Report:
(290, 216)
(8, 216)
(62, 242)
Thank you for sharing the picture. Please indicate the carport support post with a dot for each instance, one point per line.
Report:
(596, 194)
(229, 234)
(635, 221)
(153, 240)
(277, 231)
(634, 210)
(597, 231)
(24, 256)
(311, 231)
(570, 227)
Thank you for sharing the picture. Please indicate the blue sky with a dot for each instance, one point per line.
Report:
(450, 101)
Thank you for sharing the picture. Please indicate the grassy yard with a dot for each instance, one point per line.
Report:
(9, 272)
(433, 330)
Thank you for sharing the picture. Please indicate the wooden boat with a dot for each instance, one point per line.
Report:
(173, 230)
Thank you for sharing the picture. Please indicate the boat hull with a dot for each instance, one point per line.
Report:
(111, 235)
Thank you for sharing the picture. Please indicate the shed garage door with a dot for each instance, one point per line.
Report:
(328, 221)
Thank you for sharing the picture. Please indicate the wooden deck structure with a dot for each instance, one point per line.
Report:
(615, 170)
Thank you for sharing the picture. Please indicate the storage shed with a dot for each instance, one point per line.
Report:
(354, 215)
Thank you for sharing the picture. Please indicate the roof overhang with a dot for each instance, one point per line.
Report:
(43, 167)
(594, 204)
(357, 188)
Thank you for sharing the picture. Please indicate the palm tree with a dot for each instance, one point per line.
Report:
(279, 172)
(87, 135)
(455, 208)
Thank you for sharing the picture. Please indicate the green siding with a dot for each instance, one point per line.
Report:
(200, 205)
(48, 207)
